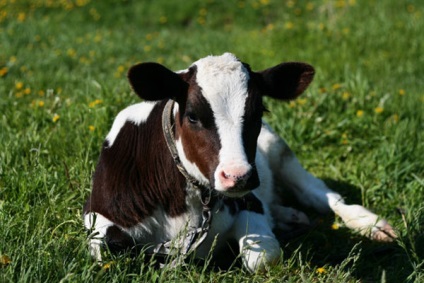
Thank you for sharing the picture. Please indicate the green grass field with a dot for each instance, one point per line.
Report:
(360, 126)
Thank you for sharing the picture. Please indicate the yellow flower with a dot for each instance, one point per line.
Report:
(147, 48)
(5, 260)
(163, 20)
(27, 91)
(379, 110)
(321, 270)
(108, 265)
(335, 226)
(395, 118)
(269, 27)
(94, 103)
(121, 69)
(201, 21)
(97, 38)
(310, 6)
(292, 104)
(322, 90)
(289, 25)
(346, 95)
(19, 85)
(302, 101)
(340, 3)
(40, 103)
(3, 71)
(21, 17)
(91, 128)
(203, 12)
(55, 118)
(401, 92)
(336, 86)
(346, 31)
(360, 113)
(71, 52)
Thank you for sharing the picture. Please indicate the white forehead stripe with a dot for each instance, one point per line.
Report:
(137, 113)
(224, 81)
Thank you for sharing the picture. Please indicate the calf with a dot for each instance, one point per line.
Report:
(195, 163)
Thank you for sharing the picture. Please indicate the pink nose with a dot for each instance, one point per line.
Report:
(233, 177)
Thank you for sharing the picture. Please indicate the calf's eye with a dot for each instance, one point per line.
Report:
(192, 118)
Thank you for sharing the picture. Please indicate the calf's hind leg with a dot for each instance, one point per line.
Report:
(313, 192)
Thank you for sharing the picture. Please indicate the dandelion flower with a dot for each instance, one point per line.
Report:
(395, 118)
(21, 17)
(289, 25)
(379, 110)
(335, 226)
(322, 90)
(402, 92)
(310, 6)
(336, 86)
(27, 91)
(120, 69)
(19, 85)
(163, 20)
(302, 101)
(55, 118)
(108, 265)
(203, 12)
(3, 71)
(360, 113)
(321, 270)
(5, 260)
(346, 95)
(94, 103)
(91, 128)
(41, 103)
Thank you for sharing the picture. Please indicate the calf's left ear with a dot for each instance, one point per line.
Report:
(287, 81)
(152, 81)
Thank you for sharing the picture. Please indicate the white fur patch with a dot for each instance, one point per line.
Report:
(98, 224)
(137, 113)
(224, 80)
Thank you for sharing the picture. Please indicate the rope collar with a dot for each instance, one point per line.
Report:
(193, 238)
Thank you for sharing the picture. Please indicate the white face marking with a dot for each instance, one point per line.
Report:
(137, 113)
(224, 81)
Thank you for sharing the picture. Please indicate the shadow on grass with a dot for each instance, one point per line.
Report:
(368, 261)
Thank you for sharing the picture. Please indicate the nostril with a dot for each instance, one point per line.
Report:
(225, 175)
(236, 176)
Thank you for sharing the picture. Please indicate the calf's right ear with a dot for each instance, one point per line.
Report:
(287, 81)
(152, 81)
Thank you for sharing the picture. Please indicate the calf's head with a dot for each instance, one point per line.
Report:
(218, 113)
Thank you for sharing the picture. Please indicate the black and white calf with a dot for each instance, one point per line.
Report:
(150, 188)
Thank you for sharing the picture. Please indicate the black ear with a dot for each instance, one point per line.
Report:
(152, 81)
(287, 80)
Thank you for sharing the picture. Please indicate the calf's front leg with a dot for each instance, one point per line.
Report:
(257, 243)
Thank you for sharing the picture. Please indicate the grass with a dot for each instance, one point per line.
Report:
(359, 126)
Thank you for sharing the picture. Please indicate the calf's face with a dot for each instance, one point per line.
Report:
(218, 113)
